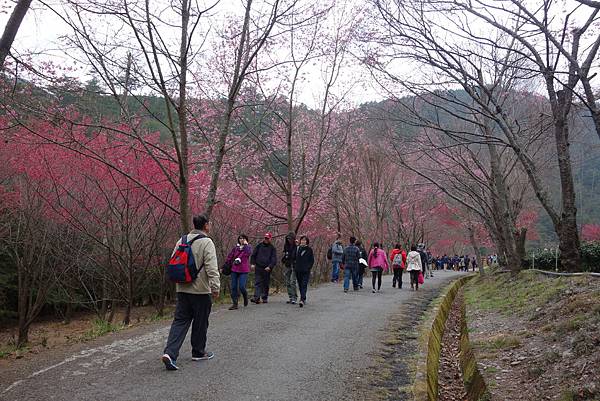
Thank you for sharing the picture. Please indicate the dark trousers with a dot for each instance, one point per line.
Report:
(262, 279)
(360, 274)
(397, 277)
(302, 278)
(376, 277)
(194, 310)
(414, 278)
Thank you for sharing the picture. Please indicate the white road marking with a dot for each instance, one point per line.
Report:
(103, 356)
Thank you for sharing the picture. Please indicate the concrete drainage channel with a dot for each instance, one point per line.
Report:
(426, 384)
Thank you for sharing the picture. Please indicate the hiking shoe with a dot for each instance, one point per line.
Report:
(293, 302)
(169, 363)
(289, 301)
(204, 357)
(301, 304)
(233, 307)
(264, 301)
(345, 290)
(374, 291)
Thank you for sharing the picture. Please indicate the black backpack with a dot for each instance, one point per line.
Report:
(329, 254)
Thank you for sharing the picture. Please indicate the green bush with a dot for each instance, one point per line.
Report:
(590, 258)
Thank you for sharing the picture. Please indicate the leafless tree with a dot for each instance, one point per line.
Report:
(12, 27)
(441, 37)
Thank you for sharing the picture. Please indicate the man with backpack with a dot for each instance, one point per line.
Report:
(196, 257)
(263, 260)
(398, 258)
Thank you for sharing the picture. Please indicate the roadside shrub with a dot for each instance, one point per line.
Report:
(545, 258)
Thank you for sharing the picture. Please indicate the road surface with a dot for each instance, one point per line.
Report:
(263, 352)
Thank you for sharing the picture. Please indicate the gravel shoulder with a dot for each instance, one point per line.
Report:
(327, 350)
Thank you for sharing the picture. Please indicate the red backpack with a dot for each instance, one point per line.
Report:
(182, 267)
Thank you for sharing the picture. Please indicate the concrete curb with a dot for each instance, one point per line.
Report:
(556, 274)
(425, 387)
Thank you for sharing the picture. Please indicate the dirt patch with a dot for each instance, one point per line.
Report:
(537, 338)
(51, 334)
(450, 381)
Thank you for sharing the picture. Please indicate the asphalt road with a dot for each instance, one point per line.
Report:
(263, 352)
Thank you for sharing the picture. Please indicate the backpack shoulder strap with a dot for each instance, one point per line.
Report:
(200, 236)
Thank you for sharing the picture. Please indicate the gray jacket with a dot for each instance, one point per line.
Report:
(337, 252)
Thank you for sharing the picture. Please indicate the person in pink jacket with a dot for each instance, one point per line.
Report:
(377, 264)
(239, 257)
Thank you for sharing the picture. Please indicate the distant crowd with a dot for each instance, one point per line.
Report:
(194, 269)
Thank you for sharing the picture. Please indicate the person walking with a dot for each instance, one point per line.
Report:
(414, 266)
(362, 263)
(337, 251)
(305, 259)
(474, 263)
(398, 258)
(377, 264)
(194, 301)
(350, 259)
(430, 264)
(289, 260)
(264, 259)
(423, 254)
(239, 258)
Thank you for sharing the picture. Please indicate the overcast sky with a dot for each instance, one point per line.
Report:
(42, 31)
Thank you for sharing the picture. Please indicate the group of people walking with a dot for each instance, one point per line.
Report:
(195, 293)
(354, 260)
(457, 263)
(298, 260)
(194, 296)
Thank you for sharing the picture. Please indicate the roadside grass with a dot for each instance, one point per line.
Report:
(556, 325)
(100, 328)
(12, 349)
(506, 294)
(499, 342)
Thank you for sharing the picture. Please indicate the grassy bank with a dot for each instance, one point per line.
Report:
(536, 337)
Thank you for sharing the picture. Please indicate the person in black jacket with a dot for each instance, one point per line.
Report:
(424, 259)
(361, 267)
(263, 260)
(289, 261)
(305, 260)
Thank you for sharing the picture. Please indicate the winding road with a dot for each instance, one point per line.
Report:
(263, 352)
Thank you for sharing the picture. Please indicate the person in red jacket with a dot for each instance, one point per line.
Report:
(398, 259)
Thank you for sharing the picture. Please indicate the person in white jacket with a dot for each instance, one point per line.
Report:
(413, 265)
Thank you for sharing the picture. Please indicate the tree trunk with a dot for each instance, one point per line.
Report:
(520, 239)
(211, 198)
(113, 309)
(476, 249)
(23, 309)
(184, 202)
(130, 292)
(11, 29)
(568, 234)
